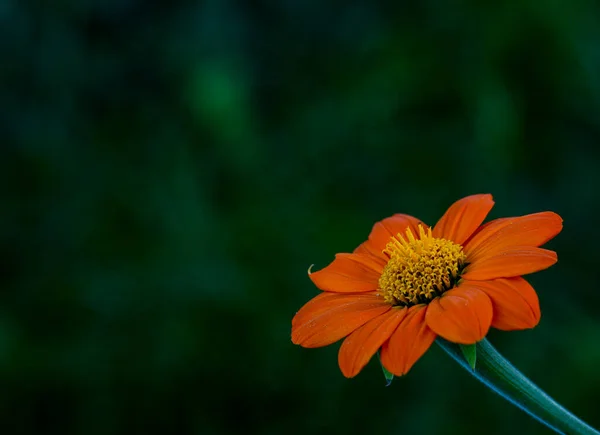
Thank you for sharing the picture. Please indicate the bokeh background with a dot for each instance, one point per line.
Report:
(170, 170)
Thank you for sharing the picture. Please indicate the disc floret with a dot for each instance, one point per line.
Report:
(419, 269)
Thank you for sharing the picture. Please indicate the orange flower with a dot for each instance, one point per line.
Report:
(409, 283)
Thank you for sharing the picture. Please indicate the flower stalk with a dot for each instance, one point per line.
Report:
(502, 377)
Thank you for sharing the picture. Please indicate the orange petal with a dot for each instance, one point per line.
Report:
(463, 218)
(348, 273)
(408, 343)
(358, 348)
(461, 315)
(514, 301)
(530, 230)
(365, 249)
(331, 316)
(508, 262)
(383, 231)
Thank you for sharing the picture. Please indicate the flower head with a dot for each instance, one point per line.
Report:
(409, 283)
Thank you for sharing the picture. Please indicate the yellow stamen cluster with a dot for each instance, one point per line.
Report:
(418, 270)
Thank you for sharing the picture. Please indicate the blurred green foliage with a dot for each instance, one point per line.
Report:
(170, 170)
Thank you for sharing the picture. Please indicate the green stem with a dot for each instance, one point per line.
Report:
(503, 378)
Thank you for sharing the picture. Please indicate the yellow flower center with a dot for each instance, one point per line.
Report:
(419, 270)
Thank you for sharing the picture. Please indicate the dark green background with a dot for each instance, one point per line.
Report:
(169, 172)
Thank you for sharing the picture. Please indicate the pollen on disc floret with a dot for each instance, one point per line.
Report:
(419, 269)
